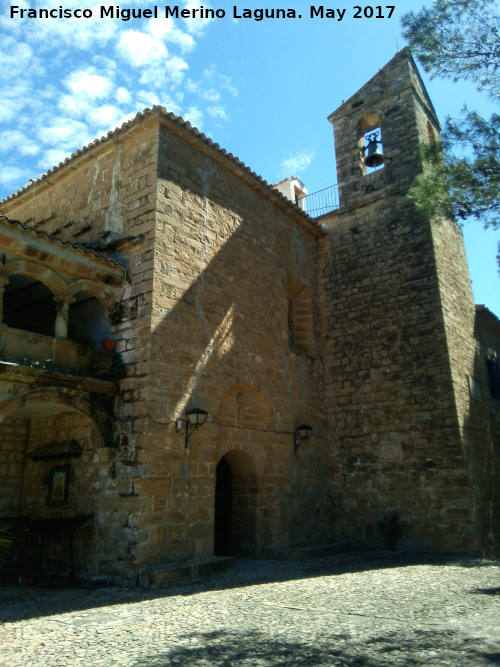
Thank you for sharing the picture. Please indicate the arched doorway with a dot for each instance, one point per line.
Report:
(223, 508)
(235, 522)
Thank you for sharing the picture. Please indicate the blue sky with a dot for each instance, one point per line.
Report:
(260, 89)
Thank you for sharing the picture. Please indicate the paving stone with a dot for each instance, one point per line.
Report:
(370, 609)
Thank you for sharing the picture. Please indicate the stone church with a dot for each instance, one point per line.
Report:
(196, 364)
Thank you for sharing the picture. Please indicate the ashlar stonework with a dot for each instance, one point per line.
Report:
(221, 294)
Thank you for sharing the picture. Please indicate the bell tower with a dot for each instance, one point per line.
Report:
(397, 329)
(394, 110)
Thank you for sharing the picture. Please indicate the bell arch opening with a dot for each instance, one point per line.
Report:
(235, 520)
(370, 144)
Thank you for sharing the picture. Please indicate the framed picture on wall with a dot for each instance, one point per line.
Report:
(58, 485)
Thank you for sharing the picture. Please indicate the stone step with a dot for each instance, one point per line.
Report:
(161, 576)
(311, 551)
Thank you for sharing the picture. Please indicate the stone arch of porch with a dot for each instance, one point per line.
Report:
(43, 274)
(52, 400)
(96, 289)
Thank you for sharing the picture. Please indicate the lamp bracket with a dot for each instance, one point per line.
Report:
(194, 419)
(302, 433)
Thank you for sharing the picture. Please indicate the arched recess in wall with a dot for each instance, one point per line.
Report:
(369, 129)
(48, 429)
(51, 400)
(243, 406)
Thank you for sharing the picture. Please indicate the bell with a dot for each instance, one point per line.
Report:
(373, 155)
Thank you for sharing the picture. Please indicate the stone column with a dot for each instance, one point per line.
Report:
(3, 284)
(63, 303)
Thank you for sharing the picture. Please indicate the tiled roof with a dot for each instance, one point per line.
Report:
(78, 247)
(183, 126)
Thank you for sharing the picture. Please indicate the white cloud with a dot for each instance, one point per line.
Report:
(65, 133)
(124, 118)
(210, 75)
(217, 112)
(164, 73)
(73, 104)
(194, 116)
(81, 34)
(85, 87)
(51, 158)
(196, 25)
(86, 83)
(11, 176)
(145, 99)
(13, 102)
(175, 68)
(296, 163)
(203, 89)
(106, 115)
(210, 85)
(17, 58)
(166, 30)
(123, 95)
(140, 48)
(149, 99)
(160, 28)
(16, 141)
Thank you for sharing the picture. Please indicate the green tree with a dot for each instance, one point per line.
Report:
(460, 40)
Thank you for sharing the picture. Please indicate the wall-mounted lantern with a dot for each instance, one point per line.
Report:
(194, 419)
(301, 434)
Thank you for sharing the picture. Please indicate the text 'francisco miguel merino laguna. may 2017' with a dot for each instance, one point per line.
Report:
(201, 12)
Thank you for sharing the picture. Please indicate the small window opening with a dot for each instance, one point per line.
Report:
(493, 367)
(300, 317)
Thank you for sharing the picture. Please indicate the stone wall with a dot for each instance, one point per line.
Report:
(482, 434)
(396, 444)
(13, 435)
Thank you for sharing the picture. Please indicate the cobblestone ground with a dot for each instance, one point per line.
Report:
(370, 609)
